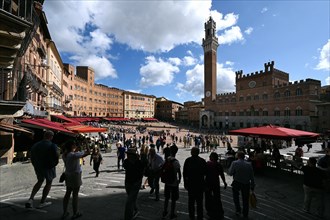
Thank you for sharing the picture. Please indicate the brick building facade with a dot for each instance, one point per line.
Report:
(165, 109)
(264, 97)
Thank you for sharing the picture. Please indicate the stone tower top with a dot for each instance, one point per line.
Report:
(210, 42)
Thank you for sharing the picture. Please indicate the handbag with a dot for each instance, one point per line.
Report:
(253, 200)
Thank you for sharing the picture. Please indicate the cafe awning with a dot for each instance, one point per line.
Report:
(149, 119)
(45, 124)
(65, 119)
(11, 128)
(117, 119)
(85, 129)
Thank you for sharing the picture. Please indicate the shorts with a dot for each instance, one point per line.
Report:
(73, 180)
(48, 174)
(171, 192)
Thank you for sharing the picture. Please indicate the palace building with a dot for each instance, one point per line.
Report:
(263, 97)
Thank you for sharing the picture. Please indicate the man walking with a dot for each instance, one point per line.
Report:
(194, 171)
(243, 181)
(44, 158)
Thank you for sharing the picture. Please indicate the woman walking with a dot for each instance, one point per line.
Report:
(73, 171)
(96, 157)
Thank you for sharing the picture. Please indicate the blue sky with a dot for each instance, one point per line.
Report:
(154, 47)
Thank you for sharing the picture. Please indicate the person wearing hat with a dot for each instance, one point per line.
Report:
(134, 168)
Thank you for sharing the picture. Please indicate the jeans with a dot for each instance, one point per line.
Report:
(153, 179)
(317, 195)
(118, 162)
(132, 190)
(245, 190)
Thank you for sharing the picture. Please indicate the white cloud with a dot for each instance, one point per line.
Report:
(324, 58)
(101, 65)
(135, 91)
(231, 35)
(175, 61)
(224, 22)
(264, 10)
(190, 53)
(327, 80)
(189, 61)
(157, 72)
(150, 26)
(194, 84)
(248, 31)
(153, 26)
(99, 42)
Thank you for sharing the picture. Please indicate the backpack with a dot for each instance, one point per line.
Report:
(168, 173)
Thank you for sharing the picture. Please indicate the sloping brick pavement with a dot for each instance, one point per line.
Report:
(279, 193)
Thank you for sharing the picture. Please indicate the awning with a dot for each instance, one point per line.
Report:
(11, 128)
(66, 119)
(45, 124)
(85, 119)
(149, 119)
(85, 129)
(117, 119)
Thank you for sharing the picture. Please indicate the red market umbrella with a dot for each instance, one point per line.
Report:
(275, 132)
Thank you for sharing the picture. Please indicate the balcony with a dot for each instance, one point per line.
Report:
(67, 100)
(41, 50)
(54, 107)
(56, 88)
(19, 21)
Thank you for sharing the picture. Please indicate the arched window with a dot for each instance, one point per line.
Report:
(265, 96)
(277, 95)
(299, 111)
(277, 112)
(256, 97)
(264, 112)
(287, 93)
(287, 112)
(299, 92)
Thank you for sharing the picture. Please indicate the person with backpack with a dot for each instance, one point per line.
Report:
(171, 176)
(213, 204)
(155, 162)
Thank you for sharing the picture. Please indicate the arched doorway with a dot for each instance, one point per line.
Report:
(205, 120)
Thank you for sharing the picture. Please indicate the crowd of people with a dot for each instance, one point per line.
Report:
(154, 163)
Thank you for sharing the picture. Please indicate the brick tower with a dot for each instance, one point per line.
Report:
(210, 45)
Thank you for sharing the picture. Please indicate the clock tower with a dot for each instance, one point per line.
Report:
(210, 45)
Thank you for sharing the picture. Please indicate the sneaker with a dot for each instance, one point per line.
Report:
(164, 214)
(44, 204)
(29, 204)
